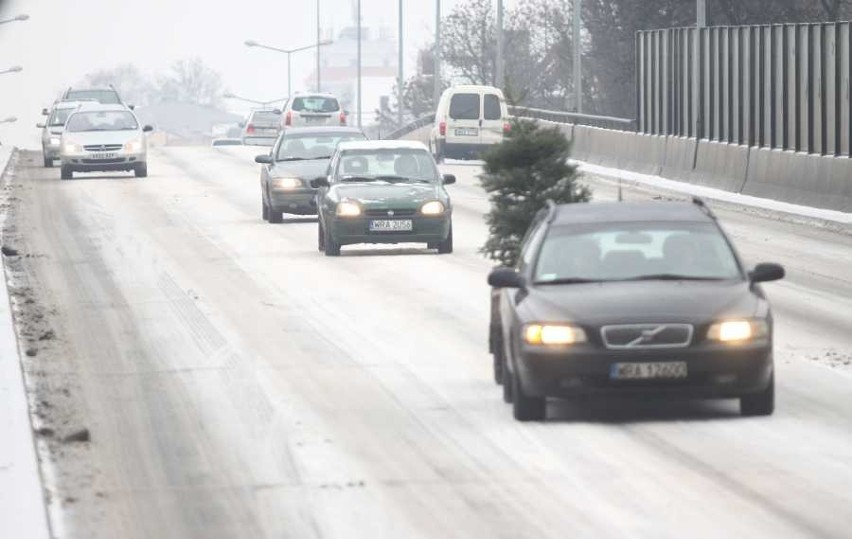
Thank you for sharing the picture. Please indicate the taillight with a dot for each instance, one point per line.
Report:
(507, 128)
(250, 129)
(442, 128)
(342, 118)
(288, 120)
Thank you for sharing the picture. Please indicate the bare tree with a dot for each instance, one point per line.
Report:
(192, 81)
(133, 86)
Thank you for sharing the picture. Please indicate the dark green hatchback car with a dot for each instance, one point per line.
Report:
(383, 192)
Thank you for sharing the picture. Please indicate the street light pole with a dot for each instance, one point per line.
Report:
(436, 92)
(15, 19)
(288, 52)
(9, 120)
(358, 15)
(400, 75)
(319, 48)
(578, 56)
(701, 13)
(13, 69)
(499, 68)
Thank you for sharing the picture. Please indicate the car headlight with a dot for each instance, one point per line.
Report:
(432, 208)
(54, 141)
(738, 331)
(553, 334)
(133, 146)
(287, 183)
(348, 208)
(69, 148)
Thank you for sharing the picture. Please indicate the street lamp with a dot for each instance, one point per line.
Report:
(14, 19)
(13, 69)
(288, 52)
(230, 95)
(9, 120)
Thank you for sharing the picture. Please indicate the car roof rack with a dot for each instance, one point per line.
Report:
(702, 205)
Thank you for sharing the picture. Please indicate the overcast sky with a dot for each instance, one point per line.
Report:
(66, 39)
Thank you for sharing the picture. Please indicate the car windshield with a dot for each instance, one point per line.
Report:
(106, 97)
(635, 251)
(315, 104)
(390, 165)
(265, 118)
(312, 145)
(59, 117)
(106, 120)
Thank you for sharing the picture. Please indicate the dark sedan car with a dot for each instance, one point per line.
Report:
(631, 298)
(384, 192)
(298, 156)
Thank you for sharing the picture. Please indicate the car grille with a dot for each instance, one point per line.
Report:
(638, 336)
(103, 147)
(387, 213)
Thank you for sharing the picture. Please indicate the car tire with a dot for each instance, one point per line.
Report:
(141, 170)
(320, 238)
(759, 404)
(275, 216)
(48, 162)
(498, 363)
(332, 248)
(525, 407)
(66, 174)
(446, 246)
(264, 212)
(508, 385)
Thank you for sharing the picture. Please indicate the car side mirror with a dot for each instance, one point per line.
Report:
(147, 129)
(763, 273)
(45, 112)
(40, 125)
(449, 178)
(241, 124)
(321, 181)
(131, 107)
(506, 278)
(264, 159)
(277, 111)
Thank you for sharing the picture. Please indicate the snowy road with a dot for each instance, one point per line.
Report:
(236, 383)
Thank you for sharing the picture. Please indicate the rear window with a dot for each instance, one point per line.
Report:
(491, 107)
(106, 97)
(264, 118)
(464, 107)
(315, 104)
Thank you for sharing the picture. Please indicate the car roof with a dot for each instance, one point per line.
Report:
(93, 89)
(474, 88)
(318, 130)
(314, 94)
(382, 145)
(624, 212)
(69, 104)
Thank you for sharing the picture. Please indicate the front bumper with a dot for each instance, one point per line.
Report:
(348, 231)
(712, 371)
(121, 161)
(295, 201)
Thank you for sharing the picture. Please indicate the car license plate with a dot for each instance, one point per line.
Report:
(391, 225)
(102, 156)
(467, 132)
(670, 370)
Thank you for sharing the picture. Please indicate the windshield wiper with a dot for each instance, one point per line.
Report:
(569, 280)
(357, 179)
(401, 179)
(293, 159)
(671, 277)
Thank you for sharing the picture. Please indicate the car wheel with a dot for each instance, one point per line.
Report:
(508, 385)
(48, 162)
(275, 216)
(264, 212)
(65, 173)
(446, 246)
(497, 356)
(320, 238)
(759, 404)
(332, 248)
(141, 170)
(524, 407)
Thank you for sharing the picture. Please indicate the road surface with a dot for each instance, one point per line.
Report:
(236, 383)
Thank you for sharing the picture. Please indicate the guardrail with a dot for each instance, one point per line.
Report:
(414, 125)
(576, 118)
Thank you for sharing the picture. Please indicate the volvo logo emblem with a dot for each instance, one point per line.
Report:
(647, 336)
(390, 213)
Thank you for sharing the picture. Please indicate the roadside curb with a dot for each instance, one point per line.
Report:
(23, 512)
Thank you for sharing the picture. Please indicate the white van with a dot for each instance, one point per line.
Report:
(468, 120)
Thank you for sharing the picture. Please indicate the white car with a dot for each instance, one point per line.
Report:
(51, 130)
(313, 110)
(468, 119)
(103, 138)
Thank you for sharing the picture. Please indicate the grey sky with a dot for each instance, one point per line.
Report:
(65, 39)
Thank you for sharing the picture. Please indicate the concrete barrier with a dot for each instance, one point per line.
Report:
(811, 180)
(720, 165)
(679, 158)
